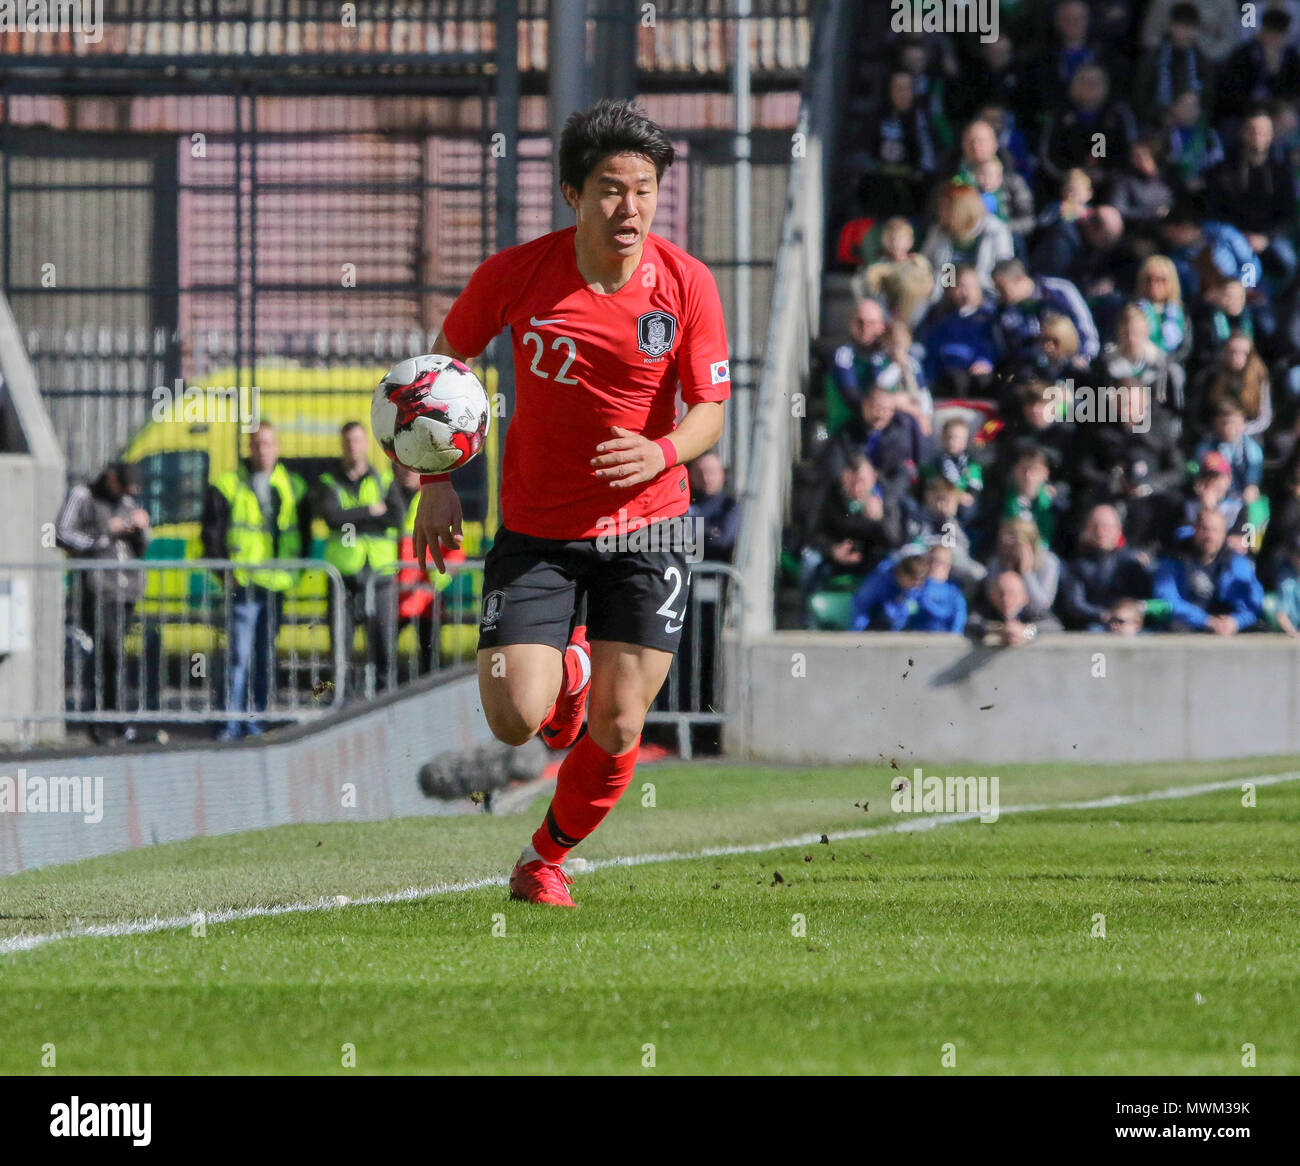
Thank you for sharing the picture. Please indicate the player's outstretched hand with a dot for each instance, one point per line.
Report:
(628, 459)
(437, 524)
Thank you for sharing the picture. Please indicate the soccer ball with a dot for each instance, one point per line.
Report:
(430, 414)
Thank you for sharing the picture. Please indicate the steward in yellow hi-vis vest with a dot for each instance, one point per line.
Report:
(255, 515)
(357, 514)
(364, 513)
(257, 533)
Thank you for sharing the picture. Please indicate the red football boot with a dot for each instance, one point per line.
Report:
(564, 724)
(540, 882)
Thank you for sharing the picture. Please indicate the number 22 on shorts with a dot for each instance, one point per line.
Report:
(674, 575)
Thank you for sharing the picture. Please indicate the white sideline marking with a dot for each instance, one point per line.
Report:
(19, 943)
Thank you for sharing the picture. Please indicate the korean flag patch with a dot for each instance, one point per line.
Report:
(719, 373)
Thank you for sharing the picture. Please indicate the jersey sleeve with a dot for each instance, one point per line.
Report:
(702, 365)
(480, 310)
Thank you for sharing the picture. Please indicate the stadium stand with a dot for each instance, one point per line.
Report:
(1061, 282)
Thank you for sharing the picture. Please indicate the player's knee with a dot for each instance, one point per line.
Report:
(510, 726)
(615, 730)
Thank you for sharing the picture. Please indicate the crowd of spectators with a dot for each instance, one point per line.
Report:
(1069, 395)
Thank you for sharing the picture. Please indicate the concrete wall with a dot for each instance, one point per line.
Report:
(165, 795)
(31, 672)
(32, 482)
(1157, 698)
(804, 697)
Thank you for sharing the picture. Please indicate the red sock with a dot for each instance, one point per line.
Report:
(572, 678)
(589, 783)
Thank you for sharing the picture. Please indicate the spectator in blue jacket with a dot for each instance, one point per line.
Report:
(1188, 232)
(957, 334)
(1023, 302)
(890, 596)
(941, 606)
(1208, 586)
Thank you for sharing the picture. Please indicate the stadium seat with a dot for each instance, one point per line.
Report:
(838, 411)
(832, 610)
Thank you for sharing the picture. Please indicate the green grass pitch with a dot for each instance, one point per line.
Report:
(970, 948)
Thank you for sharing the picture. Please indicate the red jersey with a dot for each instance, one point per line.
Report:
(585, 362)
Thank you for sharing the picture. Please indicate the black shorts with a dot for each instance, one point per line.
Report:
(532, 586)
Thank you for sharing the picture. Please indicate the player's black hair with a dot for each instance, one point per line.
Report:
(1184, 13)
(607, 128)
(349, 426)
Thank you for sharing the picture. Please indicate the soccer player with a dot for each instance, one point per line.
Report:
(607, 321)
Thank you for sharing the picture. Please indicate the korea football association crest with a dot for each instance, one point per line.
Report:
(493, 602)
(655, 333)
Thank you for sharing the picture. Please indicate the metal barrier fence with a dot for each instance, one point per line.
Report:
(192, 641)
(203, 643)
(415, 622)
(696, 692)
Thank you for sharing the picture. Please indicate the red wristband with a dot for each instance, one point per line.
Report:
(669, 452)
(425, 479)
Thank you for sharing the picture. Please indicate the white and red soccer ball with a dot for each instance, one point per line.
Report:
(430, 414)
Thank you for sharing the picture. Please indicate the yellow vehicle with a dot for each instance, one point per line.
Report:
(189, 442)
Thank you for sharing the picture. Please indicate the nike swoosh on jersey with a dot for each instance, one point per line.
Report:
(536, 323)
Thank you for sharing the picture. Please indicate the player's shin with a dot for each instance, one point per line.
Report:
(590, 782)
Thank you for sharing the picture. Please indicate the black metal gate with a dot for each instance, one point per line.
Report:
(243, 236)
